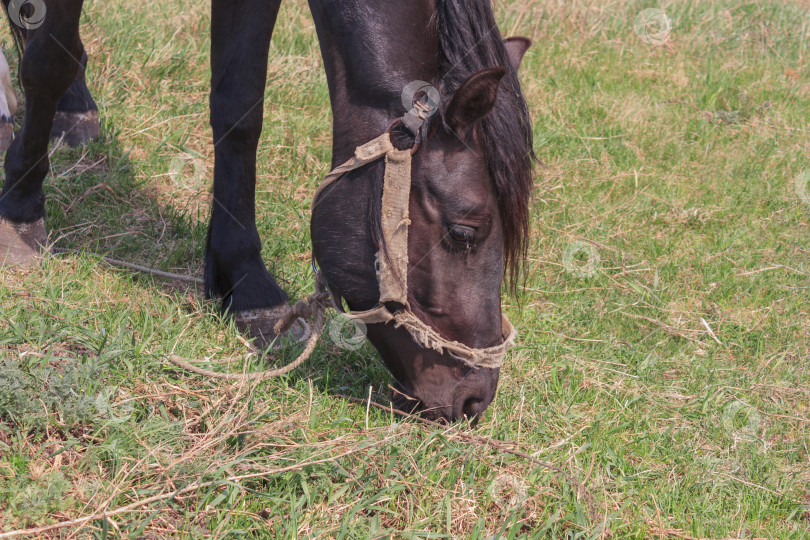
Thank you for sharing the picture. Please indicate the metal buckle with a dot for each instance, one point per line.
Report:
(417, 141)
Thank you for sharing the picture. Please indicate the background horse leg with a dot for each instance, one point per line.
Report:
(49, 64)
(76, 120)
(234, 270)
(8, 105)
(76, 113)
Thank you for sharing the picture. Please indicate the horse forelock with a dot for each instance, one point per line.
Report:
(469, 41)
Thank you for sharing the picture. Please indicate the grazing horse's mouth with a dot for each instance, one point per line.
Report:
(431, 384)
(403, 401)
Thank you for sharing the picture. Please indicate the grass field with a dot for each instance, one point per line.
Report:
(664, 323)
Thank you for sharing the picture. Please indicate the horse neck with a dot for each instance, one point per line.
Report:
(371, 50)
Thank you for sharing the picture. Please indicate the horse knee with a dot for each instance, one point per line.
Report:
(234, 118)
(47, 72)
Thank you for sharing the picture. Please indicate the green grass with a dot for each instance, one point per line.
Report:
(677, 164)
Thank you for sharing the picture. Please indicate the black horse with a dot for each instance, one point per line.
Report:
(471, 176)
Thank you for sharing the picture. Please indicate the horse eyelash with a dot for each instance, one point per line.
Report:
(455, 245)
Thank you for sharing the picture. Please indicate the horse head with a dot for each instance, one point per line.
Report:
(443, 336)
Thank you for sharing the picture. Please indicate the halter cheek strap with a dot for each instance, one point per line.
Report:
(392, 259)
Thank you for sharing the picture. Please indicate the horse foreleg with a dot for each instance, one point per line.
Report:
(76, 117)
(234, 269)
(50, 61)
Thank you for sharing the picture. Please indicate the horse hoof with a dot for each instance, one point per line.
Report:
(6, 134)
(77, 128)
(22, 244)
(259, 325)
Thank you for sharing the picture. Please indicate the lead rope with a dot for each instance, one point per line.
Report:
(315, 304)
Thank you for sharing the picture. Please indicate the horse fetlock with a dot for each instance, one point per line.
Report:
(241, 281)
(253, 290)
(18, 206)
(22, 244)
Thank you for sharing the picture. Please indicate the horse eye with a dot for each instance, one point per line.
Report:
(461, 235)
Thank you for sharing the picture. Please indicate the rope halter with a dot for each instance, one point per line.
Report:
(392, 266)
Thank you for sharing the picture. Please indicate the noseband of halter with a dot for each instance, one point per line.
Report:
(392, 257)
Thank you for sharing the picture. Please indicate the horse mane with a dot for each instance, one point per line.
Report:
(469, 41)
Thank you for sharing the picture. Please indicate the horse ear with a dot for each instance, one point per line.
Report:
(474, 99)
(516, 47)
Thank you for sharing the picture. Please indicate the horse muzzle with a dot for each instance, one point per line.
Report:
(432, 383)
